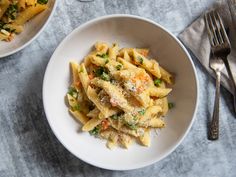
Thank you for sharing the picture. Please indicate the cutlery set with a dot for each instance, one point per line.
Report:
(220, 49)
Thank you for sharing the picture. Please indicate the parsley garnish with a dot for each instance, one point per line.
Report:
(115, 117)
(107, 61)
(99, 71)
(94, 131)
(142, 112)
(171, 105)
(105, 76)
(157, 82)
(42, 1)
(73, 92)
(105, 56)
(2, 24)
(102, 73)
(118, 67)
(132, 126)
(140, 60)
(76, 107)
(11, 11)
(135, 118)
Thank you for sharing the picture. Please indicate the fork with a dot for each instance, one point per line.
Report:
(220, 48)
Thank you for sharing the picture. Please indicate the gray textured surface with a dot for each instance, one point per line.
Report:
(27, 145)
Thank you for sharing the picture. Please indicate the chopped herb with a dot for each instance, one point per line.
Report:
(140, 59)
(135, 118)
(42, 1)
(76, 107)
(142, 112)
(73, 92)
(105, 56)
(132, 126)
(105, 76)
(94, 131)
(115, 117)
(118, 67)
(107, 61)
(170, 105)
(157, 82)
(102, 73)
(2, 24)
(11, 11)
(99, 71)
(81, 70)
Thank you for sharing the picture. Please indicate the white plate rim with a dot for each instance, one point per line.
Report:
(180, 44)
(35, 36)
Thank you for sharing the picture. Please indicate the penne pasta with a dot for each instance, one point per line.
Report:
(29, 13)
(166, 76)
(91, 124)
(15, 13)
(79, 116)
(120, 95)
(4, 4)
(83, 76)
(145, 138)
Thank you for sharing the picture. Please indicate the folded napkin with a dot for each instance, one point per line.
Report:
(196, 39)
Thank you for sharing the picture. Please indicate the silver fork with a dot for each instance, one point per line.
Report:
(220, 48)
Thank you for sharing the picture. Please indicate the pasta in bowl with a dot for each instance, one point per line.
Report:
(119, 94)
(14, 14)
(138, 33)
(21, 21)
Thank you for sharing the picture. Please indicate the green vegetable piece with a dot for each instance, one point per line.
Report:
(11, 11)
(105, 76)
(132, 126)
(95, 131)
(115, 117)
(42, 1)
(76, 107)
(118, 67)
(73, 92)
(171, 105)
(107, 61)
(105, 56)
(99, 71)
(2, 24)
(140, 60)
(135, 118)
(142, 112)
(81, 70)
(157, 82)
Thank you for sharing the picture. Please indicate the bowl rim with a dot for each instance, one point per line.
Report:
(106, 17)
(35, 36)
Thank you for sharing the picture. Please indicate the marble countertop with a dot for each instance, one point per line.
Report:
(28, 146)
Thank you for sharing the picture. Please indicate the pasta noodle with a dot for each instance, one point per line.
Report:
(119, 94)
(14, 14)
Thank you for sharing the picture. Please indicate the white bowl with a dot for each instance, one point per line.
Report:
(32, 29)
(128, 31)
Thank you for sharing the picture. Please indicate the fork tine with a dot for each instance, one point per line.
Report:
(213, 30)
(223, 32)
(216, 23)
(209, 30)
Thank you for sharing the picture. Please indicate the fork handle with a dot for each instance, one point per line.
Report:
(232, 80)
(214, 124)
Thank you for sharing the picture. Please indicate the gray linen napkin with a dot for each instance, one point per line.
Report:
(195, 38)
